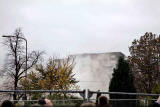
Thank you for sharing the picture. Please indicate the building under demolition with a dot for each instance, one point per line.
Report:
(94, 71)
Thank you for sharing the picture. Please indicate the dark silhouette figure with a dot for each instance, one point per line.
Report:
(42, 101)
(45, 103)
(157, 103)
(103, 101)
(7, 103)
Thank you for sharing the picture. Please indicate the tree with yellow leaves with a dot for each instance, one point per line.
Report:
(56, 75)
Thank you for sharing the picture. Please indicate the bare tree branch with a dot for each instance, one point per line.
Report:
(15, 64)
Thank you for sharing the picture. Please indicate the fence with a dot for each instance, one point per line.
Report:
(144, 99)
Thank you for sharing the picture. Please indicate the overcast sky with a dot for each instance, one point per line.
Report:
(66, 27)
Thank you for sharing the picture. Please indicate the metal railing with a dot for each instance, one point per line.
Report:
(88, 95)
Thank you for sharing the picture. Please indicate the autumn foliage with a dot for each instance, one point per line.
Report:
(56, 75)
(144, 62)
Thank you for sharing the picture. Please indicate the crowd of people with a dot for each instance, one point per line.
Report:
(102, 102)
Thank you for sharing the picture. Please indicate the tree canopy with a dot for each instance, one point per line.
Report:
(122, 80)
(57, 74)
(144, 62)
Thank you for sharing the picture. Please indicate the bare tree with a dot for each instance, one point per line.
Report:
(15, 63)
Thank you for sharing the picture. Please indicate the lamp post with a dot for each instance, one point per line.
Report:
(10, 36)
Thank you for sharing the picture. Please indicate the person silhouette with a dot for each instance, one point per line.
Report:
(103, 101)
(7, 103)
(157, 103)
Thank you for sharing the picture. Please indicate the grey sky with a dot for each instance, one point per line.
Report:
(79, 26)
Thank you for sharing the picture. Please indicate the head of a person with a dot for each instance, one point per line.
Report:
(48, 103)
(7, 103)
(88, 104)
(103, 101)
(45, 103)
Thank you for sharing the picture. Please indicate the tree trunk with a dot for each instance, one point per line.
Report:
(15, 93)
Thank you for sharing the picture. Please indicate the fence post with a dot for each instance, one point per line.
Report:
(89, 94)
(98, 95)
(145, 102)
(10, 96)
(83, 94)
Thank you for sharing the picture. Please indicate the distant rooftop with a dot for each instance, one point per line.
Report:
(86, 54)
